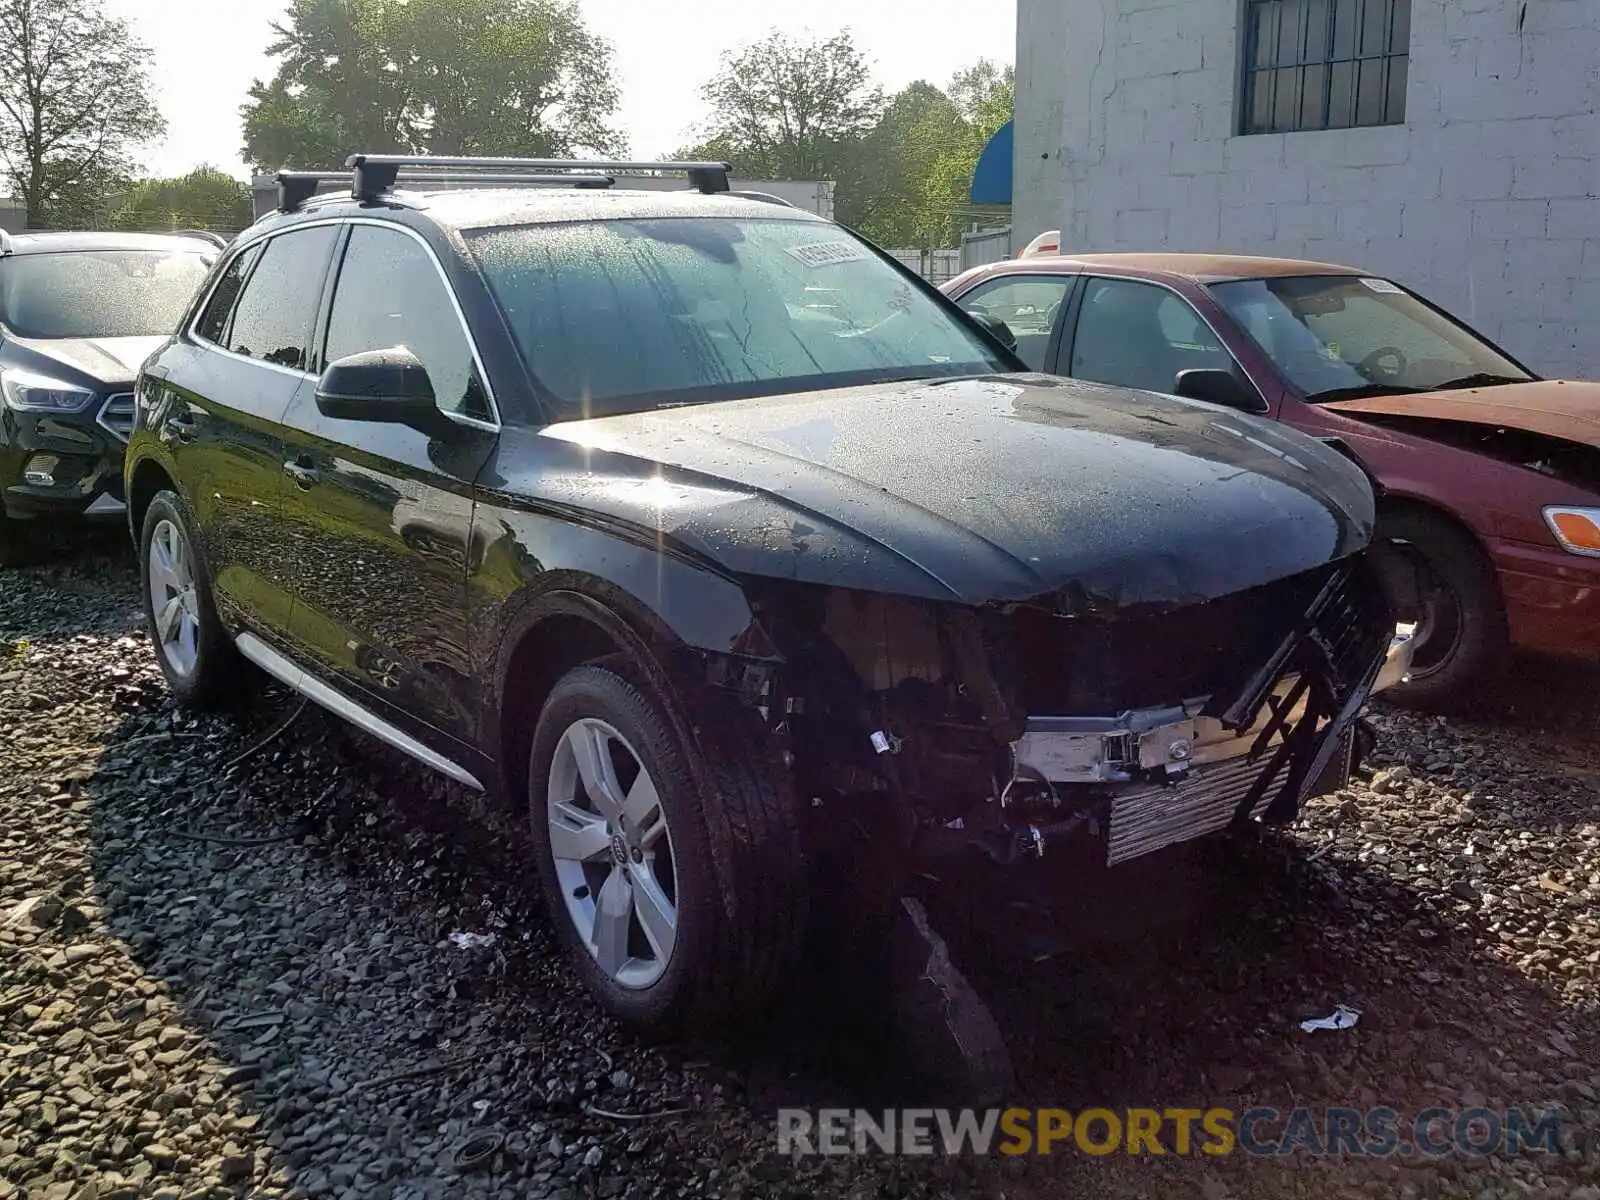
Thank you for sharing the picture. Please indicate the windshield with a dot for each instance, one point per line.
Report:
(621, 316)
(98, 293)
(1336, 337)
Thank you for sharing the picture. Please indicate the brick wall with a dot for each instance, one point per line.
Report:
(1487, 199)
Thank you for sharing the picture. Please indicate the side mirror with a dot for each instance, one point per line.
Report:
(997, 329)
(388, 386)
(1214, 386)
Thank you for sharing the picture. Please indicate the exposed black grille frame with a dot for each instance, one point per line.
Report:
(1335, 658)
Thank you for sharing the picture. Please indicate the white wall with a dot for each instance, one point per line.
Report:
(1487, 199)
(1045, 29)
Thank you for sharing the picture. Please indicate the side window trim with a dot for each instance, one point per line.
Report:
(318, 358)
(259, 250)
(320, 327)
(1069, 343)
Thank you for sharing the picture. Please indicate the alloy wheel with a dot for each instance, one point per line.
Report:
(613, 853)
(174, 598)
(1437, 617)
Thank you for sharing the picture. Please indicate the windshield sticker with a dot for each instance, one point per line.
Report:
(827, 254)
(1384, 286)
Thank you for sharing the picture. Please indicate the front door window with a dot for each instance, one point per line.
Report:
(1138, 335)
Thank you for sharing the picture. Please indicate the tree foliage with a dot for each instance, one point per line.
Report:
(489, 77)
(75, 102)
(883, 193)
(788, 109)
(206, 198)
(983, 97)
(783, 109)
(914, 185)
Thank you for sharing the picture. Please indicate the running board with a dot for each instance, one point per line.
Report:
(295, 678)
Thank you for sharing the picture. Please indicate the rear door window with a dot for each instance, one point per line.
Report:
(1029, 305)
(213, 323)
(273, 319)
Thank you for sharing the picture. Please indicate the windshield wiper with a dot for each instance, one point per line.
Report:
(1361, 392)
(1478, 379)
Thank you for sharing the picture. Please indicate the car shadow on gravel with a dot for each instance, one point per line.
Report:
(359, 952)
(373, 1048)
(298, 891)
(1547, 698)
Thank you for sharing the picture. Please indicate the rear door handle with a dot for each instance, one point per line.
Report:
(302, 472)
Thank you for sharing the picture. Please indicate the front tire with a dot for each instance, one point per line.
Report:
(1461, 624)
(624, 838)
(193, 649)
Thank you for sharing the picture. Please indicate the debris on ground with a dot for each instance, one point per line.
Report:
(1343, 1017)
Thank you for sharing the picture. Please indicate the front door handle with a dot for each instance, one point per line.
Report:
(302, 472)
(182, 429)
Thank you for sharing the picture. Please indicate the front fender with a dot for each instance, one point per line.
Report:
(527, 554)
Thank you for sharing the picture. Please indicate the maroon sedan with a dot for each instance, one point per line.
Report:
(1492, 475)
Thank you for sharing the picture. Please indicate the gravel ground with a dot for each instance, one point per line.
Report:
(228, 976)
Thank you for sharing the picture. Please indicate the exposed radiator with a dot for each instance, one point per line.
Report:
(1150, 818)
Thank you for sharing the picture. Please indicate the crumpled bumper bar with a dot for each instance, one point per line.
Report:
(1184, 772)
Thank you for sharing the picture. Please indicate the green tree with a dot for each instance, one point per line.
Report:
(492, 77)
(909, 180)
(881, 193)
(75, 101)
(205, 198)
(787, 109)
(984, 95)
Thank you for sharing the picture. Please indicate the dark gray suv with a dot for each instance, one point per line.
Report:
(78, 314)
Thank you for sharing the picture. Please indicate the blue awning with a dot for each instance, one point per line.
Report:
(991, 181)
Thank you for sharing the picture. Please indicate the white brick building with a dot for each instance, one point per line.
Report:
(1465, 162)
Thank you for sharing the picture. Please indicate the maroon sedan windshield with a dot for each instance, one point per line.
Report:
(1338, 336)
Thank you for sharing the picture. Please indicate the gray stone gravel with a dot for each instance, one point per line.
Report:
(238, 980)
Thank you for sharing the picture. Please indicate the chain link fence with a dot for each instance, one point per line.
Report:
(227, 224)
(936, 266)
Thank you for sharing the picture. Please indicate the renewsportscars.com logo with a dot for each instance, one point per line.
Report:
(1369, 1133)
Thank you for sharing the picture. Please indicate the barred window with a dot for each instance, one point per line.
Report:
(1324, 64)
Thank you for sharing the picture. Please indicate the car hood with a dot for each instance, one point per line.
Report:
(1558, 408)
(107, 361)
(975, 490)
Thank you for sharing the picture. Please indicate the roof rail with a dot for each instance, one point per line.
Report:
(5, 243)
(376, 173)
(764, 198)
(216, 239)
(296, 187)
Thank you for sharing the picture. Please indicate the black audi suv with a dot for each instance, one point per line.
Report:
(755, 569)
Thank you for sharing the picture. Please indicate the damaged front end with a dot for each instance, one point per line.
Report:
(1011, 729)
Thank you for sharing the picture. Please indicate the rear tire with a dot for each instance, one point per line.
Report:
(198, 658)
(660, 846)
(1461, 632)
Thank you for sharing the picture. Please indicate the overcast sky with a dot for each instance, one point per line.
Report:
(664, 51)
